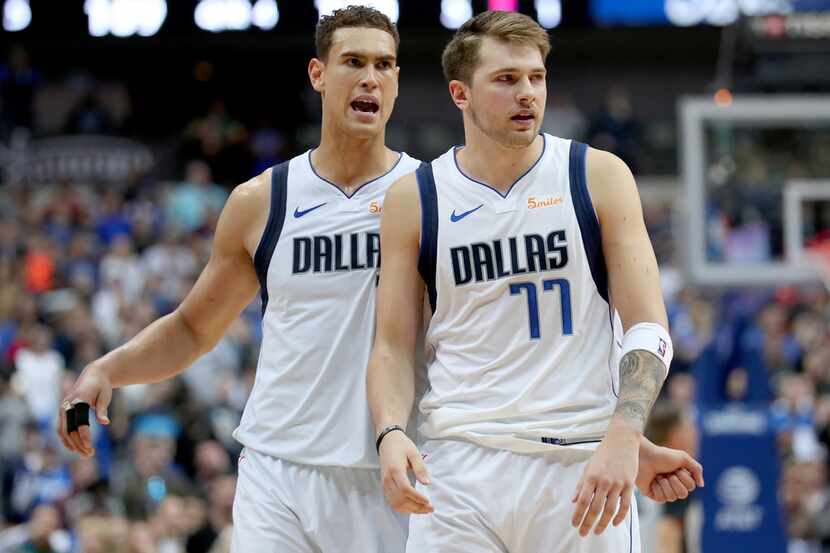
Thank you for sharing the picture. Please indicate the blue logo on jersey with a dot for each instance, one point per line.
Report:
(298, 213)
(455, 218)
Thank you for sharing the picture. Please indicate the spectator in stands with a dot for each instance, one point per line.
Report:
(39, 373)
(195, 202)
(616, 129)
(18, 83)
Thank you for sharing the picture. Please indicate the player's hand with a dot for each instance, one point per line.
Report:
(667, 474)
(607, 483)
(398, 456)
(94, 388)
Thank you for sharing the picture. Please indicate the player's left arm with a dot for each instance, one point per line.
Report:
(634, 282)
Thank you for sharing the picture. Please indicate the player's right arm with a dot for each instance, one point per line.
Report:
(390, 377)
(172, 343)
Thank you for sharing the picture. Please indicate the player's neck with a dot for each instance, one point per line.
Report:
(349, 162)
(497, 165)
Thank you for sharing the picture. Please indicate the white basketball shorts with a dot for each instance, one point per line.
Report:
(496, 501)
(283, 507)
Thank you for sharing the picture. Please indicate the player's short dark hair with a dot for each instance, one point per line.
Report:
(665, 417)
(351, 16)
(460, 57)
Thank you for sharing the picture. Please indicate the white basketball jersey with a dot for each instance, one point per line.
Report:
(520, 346)
(318, 264)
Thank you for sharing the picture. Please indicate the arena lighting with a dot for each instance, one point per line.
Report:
(503, 5)
(265, 14)
(388, 7)
(549, 13)
(236, 15)
(16, 15)
(686, 13)
(125, 17)
(455, 12)
(723, 98)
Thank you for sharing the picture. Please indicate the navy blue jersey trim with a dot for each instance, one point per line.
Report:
(587, 218)
(485, 185)
(359, 188)
(276, 218)
(428, 251)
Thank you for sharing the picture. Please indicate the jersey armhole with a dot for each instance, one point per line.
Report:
(427, 252)
(276, 219)
(587, 217)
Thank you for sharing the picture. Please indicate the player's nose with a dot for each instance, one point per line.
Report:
(525, 93)
(369, 79)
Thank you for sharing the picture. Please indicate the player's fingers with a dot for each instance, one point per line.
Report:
(81, 424)
(583, 501)
(657, 492)
(679, 489)
(76, 442)
(597, 503)
(409, 506)
(686, 479)
(72, 431)
(695, 468)
(666, 487)
(625, 505)
(576, 491)
(62, 430)
(102, 404)
(419, 468)
(407, 489)
(85, 435)
(611, 504)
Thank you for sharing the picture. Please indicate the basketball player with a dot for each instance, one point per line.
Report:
(523, 248)
(307, 233)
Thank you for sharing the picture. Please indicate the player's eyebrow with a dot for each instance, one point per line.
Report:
(540, 69)
(364, 55)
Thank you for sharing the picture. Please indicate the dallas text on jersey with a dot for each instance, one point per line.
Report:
(528, 254)
(325, 254)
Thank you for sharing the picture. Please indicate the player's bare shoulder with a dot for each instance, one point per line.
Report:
(402, 206)
(609, 181)
(247, 209)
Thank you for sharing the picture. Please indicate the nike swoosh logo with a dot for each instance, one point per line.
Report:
(298, 213)
(455, 218)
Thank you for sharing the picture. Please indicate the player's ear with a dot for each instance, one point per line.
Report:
(460, 94)
(316, 72)
(397, 79)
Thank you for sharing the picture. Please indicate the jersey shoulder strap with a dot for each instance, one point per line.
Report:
(276, 219)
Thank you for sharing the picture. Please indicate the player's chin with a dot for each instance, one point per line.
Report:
(359, 129)
(523, 137)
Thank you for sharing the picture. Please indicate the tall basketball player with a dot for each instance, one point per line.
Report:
(530, 255)
(307, 233)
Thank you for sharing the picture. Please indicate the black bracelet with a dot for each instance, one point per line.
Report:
(383, 434)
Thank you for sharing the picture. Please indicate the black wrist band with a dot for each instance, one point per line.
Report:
(383, 434)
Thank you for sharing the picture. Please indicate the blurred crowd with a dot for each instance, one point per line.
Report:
(82, 270)
(84, 266)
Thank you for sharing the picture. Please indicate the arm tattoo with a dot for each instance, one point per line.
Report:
(641, 377)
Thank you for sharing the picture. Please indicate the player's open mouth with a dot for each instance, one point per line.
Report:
(365, 105)
(523, 116)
